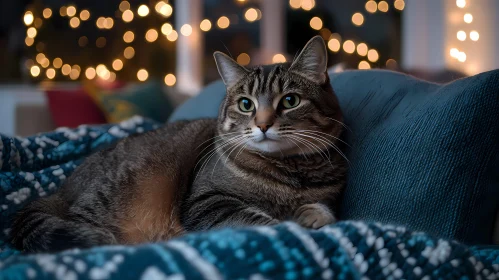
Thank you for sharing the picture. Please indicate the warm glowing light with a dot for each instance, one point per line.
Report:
(90, 73)
(251, 15)
(142, 75)
(47, 13)
(50, 73)
(461, 4)
(170, 80)
(101, 42)
(391, 64)
(129, 53)
(468, 18)
(243, 59)
(159, 5)
(223, 22)
(101, 21)
(29, 41)
(57, 63)
(40, 57)
(128, 37)
(62, 11)
(84, 15)
(383, 6)
(373, 55)
(124, 5)
(74, 22)
(74, 74)
(29, 63)
(31, 32)
(35, 71)
(349, 46)
(83, 41)
(364, 65)
(108, 23)
(461, 57)
(45, 63)
(117, 64)
(278, 58)
(474, 36)
(101, 70)
(28, 18)
(172, 36)
(71, 11)
(334, 45)
(307, 5)
(166, 10)
(127, 16)
(316, 23)
(66, 69)
(186, 30)
(362, 49)
(454, 52)
(295, 4)
(461, 35)
(151, 35)
(371, 6)
(112, 77)
(38, 22)
(166, 28)
(358, 19)
(205, 25)
(143, 10)
(399, 5)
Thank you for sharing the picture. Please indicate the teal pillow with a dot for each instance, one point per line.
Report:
(423, 155)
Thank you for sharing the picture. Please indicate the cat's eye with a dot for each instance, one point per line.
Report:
(290, 101)
(246, 105)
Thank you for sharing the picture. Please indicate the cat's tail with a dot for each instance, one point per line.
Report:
(42, 227)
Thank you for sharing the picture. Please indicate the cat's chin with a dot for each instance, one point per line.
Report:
(272, 147)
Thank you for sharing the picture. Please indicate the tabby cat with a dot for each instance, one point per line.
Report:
(271, 156)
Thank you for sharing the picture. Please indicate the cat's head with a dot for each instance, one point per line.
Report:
(281, 109)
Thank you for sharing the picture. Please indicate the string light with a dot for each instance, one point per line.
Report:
(57, 62)
(143, 10)
(83, 41)
(31, 32)
(454, 52)
(223, 22)
(461, 57)
(29, 41)
(84, 15)
(349, 46)
(128, 37)
(278, 58)
(373, 55)
(108, 23)
(358, 19)
(205, 25)
(50, 73)
(316, 23)
(127, 16)
(468, 18)
(35, 71)
(40, 57)
(29, 63)
(334, 45)
(295, 4)
(461, 35)
(166, 28)
(28, 18)
(66, 69)
(74, 22)
(101, 21)
(364, 65)
(62, 11)
(100, 42)
(151, 35)
(166, 10)
(45, 63)
(243, 59)
(251, 15)
(461, 4)
(474, 36)
(170, 80)
(47, 13)
(117, 64)
(124, 5)
(38, 22)
(172, 36)
(71, 11)
(90, 73)
(102, 71)
(399, 5)
(142, 75)
(129, 53)
(307, 5)
(186, 30)
(371, 6)
(362, 49)
(158, 6)
(391, 64)
(74, 74)
(383, 6)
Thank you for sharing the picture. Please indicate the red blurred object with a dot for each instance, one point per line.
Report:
(71, 108)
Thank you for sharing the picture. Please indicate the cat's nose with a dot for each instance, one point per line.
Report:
(264, 127)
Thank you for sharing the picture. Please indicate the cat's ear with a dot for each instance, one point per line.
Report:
(311, 63)
(229, 70)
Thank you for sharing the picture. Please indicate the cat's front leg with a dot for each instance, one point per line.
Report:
(315, 215)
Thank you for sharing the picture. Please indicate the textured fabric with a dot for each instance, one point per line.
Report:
(348, 250)
(423, 155)
(118, 104)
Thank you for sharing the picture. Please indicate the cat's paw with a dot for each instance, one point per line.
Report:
(314, 216)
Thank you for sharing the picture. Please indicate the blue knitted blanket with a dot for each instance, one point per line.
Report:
(36, 166)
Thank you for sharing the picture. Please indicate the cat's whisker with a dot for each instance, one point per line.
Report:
(326, 148)
(323, 133)
(230, 147)
(342, 124)
(330, 143)
(226, 141)
(240, 150)
(244, 141)
(296, 144)
(217, 136)
(308, 144)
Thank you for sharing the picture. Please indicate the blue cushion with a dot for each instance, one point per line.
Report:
(423, 155)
